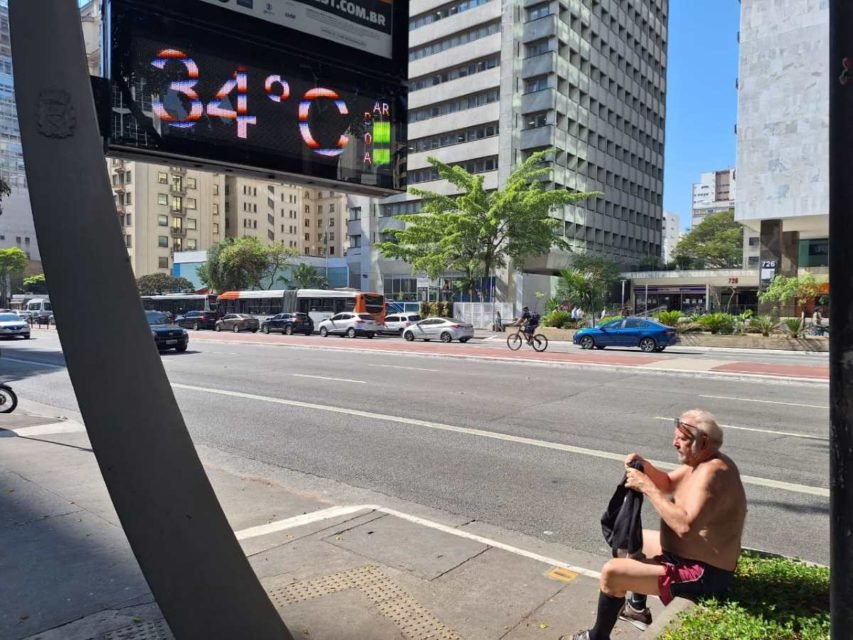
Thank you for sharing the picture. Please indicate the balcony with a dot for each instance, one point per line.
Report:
(178, 191)
(178, 232)
(544, 27)
(179, 170)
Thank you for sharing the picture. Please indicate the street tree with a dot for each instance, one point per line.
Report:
(278, 258)
(159, 283)
(475, 230)
(35, 284)
(588, 282)
(13, 261)
(784, 290)
(716, 242)
(305, 276)
(235, 264)
(5, 190)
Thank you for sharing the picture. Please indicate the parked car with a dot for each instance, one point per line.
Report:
(397, 322)
(237, 322)
(646, 334)
(13, 326)
(196, 320)
(289, 323)
(167, 336)
(349, 324)
(444, 329)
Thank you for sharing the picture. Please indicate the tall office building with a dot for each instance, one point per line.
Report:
(493, 81)
(715, 192)
(783, 134)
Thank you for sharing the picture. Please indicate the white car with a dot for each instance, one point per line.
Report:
(396, 322)
(13, 326)
(444, 329)
(349, 324)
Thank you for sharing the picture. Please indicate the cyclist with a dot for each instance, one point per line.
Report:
(529, 322)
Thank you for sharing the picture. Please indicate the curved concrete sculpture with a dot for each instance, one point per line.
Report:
(176, 527)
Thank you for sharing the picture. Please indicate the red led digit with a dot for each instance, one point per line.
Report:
(305, 127)
(181, 87)
(238, 81)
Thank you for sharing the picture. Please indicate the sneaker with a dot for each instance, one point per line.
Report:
(640, 618)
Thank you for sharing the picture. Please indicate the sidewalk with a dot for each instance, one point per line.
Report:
(335, 571)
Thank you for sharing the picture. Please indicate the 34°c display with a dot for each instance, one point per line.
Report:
(211, 97)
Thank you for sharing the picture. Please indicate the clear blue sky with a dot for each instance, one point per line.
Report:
(701, 96)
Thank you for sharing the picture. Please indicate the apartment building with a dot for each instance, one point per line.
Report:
(493, 81)
(783, 135)
(715, 192)
(671, 234)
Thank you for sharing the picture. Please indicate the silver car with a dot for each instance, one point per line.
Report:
(444, 329)
(397, 322)
(349, 324)
(13, 326)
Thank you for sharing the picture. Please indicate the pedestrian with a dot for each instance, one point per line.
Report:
(817, 317)
(574, 313)
(698, 546)
(498, 322)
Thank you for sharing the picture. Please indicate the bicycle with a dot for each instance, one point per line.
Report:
(537, 341)
(8, 399)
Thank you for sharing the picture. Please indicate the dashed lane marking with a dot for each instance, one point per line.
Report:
(787, 404)
(304, 375)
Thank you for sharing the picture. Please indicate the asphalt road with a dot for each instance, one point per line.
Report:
(530, 448)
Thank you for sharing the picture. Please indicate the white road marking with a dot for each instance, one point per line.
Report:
(770, 431)
(764, 482)
(303, 375)
(65, 426)
(788, 404)
(333, 512)
(35, 362)
(394, 366)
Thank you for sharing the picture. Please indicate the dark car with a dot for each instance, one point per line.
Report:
(289, 323)
(166, 336)
(237, 322)
(196, 320)
(646, 334)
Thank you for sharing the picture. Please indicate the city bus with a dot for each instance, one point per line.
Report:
(178, 304)
(319, 304)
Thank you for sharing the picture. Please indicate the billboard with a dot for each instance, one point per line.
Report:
(189, 87)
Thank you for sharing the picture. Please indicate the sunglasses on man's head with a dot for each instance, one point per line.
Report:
(685, 428)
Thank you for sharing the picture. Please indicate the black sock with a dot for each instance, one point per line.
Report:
(638, 601)
(605, 619)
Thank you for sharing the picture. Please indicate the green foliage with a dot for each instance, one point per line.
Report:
(235, 264)
(771, 597)
(5, 190)
(717, 322)
(793, 325)
(476, 230)
(552, 305)
(650, 263)
(717, 242)
(588, 282)
(784, 290)
(425, 310)
(158, 283)
(304, 276)
(556, 318)
(764, 324)
(669, 318)
(609, 318)
(278, 257)
(35, 284)
(13, 261)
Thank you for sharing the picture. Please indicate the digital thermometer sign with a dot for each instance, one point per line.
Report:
(193, 93)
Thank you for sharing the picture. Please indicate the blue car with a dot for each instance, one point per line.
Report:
(628, 332)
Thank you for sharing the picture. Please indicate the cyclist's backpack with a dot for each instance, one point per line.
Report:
(534, 319)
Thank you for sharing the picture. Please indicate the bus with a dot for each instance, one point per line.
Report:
(177, 304)
(319, 304)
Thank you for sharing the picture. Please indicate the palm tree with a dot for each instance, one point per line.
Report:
(304, 276)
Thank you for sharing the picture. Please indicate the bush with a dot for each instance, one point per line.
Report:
(770, 597)
(792, 325)
(717, 322)
(669, 318)
(556, 318)
(426, 309)
(761, 324)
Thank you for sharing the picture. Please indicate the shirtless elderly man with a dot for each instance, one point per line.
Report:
(698, 546)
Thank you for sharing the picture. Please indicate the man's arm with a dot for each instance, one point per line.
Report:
(692, 511)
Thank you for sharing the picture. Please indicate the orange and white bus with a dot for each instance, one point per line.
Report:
(319, 304)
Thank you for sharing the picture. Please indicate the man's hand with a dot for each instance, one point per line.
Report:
(639, 481)
(635, 456)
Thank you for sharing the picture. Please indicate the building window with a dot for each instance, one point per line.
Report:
(191, 183)
(216, 189)
(331, 251)
(177, 224)
(162, 177)
(307, 237)
(752, 261)
(162, 241)
(163, 199)
(162, 263)
(163, 220)
(215, 227)
(754, 241)
(215, 209)
(331, 208)
(128, 177)
(177, 244)
(128, 242)
(536, 120)
(127, 221)
(192, 244)
(191, 203)
(192, 224)
(177, 203)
